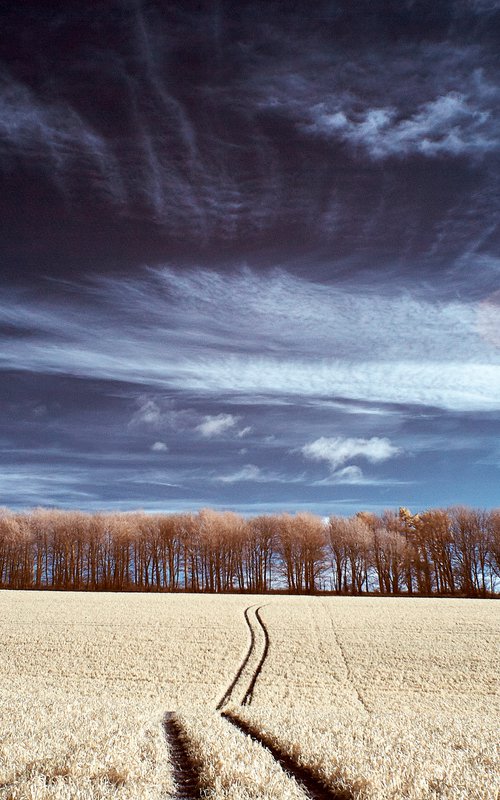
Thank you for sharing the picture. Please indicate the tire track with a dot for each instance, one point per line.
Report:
(185, 769)
(227, 695)
(247, 699)
(305, 777)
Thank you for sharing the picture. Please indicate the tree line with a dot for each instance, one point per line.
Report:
(454, 551)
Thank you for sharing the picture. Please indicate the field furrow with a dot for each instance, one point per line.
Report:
(305, 777)
(185, 769)
(248, 696)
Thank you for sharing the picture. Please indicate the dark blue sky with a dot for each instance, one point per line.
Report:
(250, 255)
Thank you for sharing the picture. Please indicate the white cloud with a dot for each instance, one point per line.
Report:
(337, 450)
(426, 98)
(159, 447)
(216, 425)
(247, 473)
(252, 473)
(347, 476)
(354, 476)
(244, 432)
(176, 331)
(148, 413)
(448, 124)
(160, 413)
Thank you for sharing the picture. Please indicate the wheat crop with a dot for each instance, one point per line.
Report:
(385, 699)
(382, 699)
(85, 680)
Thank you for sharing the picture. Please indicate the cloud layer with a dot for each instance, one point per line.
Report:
(255, 335)
(198, 147)
(290, 213)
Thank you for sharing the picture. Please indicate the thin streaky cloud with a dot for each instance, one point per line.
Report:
(177, 332)
(273, 226)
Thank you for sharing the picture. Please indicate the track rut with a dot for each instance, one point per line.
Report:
(184, 768)
(255, 626)
(186, 772)
(305, 778)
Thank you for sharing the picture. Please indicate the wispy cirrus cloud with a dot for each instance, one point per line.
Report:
(153, 157)
(354, 476)
(350, 476)
(53, 133)
(294, 338)
(250, 472)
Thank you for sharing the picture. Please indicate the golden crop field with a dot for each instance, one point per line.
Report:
(152, 696)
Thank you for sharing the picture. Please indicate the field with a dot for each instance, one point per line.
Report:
(158, 695)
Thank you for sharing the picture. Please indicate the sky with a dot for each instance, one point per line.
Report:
(250, 255)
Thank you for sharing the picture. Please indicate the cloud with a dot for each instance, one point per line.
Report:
(159, 447)
(488, 318)
(216, 425)
(350, 476)
(165, 158)
(337, 450)
(247, 473)
(449, 125)
(148, 413)
(294, 339)
(244, 432)
(410, 98)
(354, 476)
(252, 473)
(159, 159)
(53, 133)
(160, 413)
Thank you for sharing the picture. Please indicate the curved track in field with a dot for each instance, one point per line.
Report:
(248, 697)
(305, 778)
(185, 770)
(229, 691)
